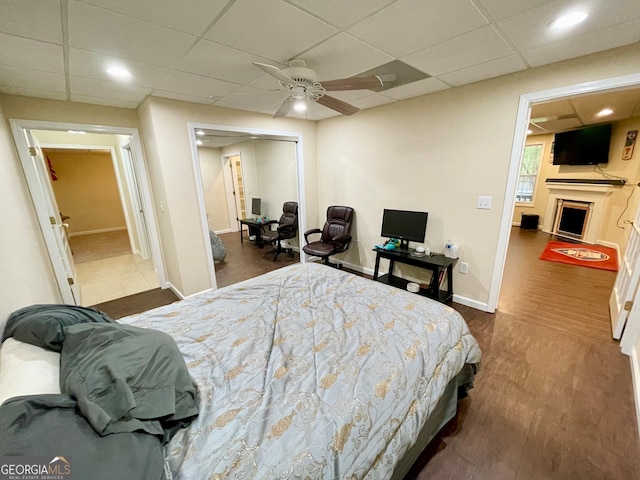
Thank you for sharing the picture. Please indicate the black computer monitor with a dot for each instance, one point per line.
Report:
(404, 225)
(256, 206)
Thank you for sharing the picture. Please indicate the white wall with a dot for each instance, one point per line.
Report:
(26, 276)
(438, 153)
(215, 198)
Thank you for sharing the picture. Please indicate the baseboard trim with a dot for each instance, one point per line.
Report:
(635, 376)
(101, 230)
(220, 232)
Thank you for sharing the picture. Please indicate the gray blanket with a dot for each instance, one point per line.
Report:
(125, 392)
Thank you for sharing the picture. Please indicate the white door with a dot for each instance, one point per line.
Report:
(54, 230)
(132, 178)
(626, 284)
(238, 186)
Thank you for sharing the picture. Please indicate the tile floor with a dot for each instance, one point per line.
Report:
(117, 275)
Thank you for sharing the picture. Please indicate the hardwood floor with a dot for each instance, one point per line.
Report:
(553, 398)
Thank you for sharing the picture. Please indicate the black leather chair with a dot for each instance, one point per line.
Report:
(287, 228)
(334, 237)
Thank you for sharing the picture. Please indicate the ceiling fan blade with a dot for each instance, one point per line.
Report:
(337, 105)
(285, 107)
(353, 83)
(274, 72)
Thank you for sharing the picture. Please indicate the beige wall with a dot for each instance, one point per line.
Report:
(86, 190)
(438, 153)
(26, 276)
(215, 199)
(166, 136)
(612, 231)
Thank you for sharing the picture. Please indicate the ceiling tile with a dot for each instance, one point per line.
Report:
(31, 79)
(39, 19)
(552, 109)
(408, 26)
(464, 51)
(83, 63)
(33, 92)
(562, 124)
(340, 13)
(482, 71)
(273, 29)
(190, 16)
(421, 87)
(27, 53)
(109, 102)
(622, 102)
(218, 61)
(100, 89)
(584, 44)
(531, 28)
(189, 84)
(110, 33)
(246, 97)
(182, 97)
(374, 100)
(499, 9)
(343, 56)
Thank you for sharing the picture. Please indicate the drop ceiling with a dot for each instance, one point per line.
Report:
(202, 50)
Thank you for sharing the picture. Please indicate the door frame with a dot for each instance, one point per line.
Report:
(19, 126)
(519, 140)
(290, 136)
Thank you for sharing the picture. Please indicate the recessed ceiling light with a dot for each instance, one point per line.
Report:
(118, 72)
(604, 112)
(76, 132)
(199, 132)
(529, 132)
(198, 142)
(569, 20)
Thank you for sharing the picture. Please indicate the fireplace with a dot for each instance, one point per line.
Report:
(576, 211)
(572, 218)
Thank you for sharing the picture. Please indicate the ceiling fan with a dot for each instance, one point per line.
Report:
(302, 83)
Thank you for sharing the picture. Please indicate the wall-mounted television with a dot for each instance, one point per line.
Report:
(585, 146)
(404, 225)
(256, 206)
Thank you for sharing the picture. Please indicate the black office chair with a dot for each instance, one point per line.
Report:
(335, 236)
(287, 228)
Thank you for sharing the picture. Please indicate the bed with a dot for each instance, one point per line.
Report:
(312, 372)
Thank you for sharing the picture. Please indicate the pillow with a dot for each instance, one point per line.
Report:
(27, 370)
(43, 325)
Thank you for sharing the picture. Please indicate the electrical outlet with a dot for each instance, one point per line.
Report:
(464, 267)
(484, 202)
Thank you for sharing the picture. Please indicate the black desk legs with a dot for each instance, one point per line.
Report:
(375, 271)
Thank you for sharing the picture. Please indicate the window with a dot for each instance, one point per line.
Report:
(528, 173)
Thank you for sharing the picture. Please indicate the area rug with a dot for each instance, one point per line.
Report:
(594, 256)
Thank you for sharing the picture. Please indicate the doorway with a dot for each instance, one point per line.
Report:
(80, 153)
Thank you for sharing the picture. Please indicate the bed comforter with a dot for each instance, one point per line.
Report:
(309, 372)
(125, 392)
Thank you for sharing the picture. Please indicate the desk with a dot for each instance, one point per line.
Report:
(440, 266)
(255, 228)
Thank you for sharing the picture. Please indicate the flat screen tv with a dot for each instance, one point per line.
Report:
(407, 226)
(585, 146)
(256, 206)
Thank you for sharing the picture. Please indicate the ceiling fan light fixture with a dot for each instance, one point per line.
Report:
(569, 20)
(300, 105)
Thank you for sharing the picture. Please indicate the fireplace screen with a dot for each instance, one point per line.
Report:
(572, 218)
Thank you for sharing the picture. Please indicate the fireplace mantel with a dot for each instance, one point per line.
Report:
(595, 194)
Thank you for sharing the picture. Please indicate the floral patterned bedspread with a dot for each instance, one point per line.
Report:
(309, 372)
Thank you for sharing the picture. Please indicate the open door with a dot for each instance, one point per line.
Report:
(626, 284)
(38, 175)
(133, 181)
